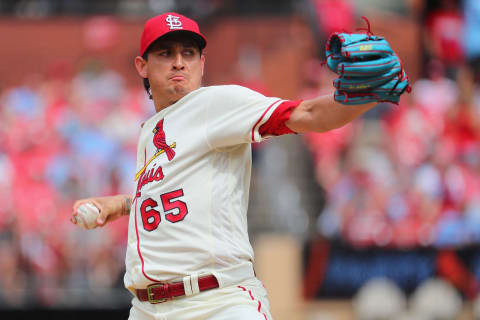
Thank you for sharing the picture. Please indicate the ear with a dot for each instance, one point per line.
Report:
(141, 65)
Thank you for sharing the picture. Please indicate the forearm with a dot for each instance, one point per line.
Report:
(118, 205)
(323, 114)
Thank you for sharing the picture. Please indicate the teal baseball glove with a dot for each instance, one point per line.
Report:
(387, 92)
(368, 69)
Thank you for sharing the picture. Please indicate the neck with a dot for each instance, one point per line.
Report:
(163, 101)
(159, 106)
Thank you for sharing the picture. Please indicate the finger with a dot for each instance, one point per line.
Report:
(102, 219)
(96, 204)
(73, 217)
(103, 216)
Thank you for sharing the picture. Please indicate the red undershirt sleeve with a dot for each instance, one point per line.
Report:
(275, 125)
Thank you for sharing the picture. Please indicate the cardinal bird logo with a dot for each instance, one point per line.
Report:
(159, 141)
(161, 145)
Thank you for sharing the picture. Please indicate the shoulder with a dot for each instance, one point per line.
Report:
(231, 91)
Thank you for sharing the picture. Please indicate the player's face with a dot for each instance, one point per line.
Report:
(174, 67)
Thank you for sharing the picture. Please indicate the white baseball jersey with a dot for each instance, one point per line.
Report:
(189, 212)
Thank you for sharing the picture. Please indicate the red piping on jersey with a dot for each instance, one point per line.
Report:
(259, 120)
(259, 302)
(138, 245)
(145, 158)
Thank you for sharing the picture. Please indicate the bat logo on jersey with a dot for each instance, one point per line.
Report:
(159, 141)
(174, 22)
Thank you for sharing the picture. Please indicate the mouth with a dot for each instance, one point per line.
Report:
(177, 77)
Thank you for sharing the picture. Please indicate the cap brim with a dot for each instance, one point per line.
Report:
(199, 39)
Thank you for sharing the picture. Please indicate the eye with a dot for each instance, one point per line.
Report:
(189, 52)
(163, 53)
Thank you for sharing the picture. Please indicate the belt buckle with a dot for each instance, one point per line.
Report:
(151, 294)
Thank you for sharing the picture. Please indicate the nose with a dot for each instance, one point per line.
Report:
(178, 63)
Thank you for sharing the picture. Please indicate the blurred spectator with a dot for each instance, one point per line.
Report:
(248, 69)
(436, 94)
(443, 25)
(327, 16)
(471, 36)
(463, 126)
(334, 15)
(14, 280)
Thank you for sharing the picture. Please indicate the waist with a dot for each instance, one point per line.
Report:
(193, 284)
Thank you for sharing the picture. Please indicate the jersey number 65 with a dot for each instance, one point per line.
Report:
(175, 210)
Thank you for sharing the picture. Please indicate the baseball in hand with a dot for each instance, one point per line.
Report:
(87, 215)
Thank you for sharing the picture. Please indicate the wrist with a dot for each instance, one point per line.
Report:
(126, 204)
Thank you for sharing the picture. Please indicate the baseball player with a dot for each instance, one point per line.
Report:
(188, 253)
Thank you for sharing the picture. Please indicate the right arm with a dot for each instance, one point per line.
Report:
(111, 207)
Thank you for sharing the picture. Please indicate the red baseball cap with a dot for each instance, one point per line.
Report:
(166, 23)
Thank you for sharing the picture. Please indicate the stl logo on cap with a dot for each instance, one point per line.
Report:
(174, 22)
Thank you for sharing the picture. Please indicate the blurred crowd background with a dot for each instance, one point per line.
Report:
(386, 210)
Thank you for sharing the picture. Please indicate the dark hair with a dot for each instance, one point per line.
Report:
(146, 83)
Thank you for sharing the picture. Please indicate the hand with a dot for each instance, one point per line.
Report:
(368, 68)
(111, 208)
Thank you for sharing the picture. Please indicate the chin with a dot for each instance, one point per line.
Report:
(181, 89)
(176, 92)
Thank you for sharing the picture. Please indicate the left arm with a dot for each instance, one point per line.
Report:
(323, 114)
